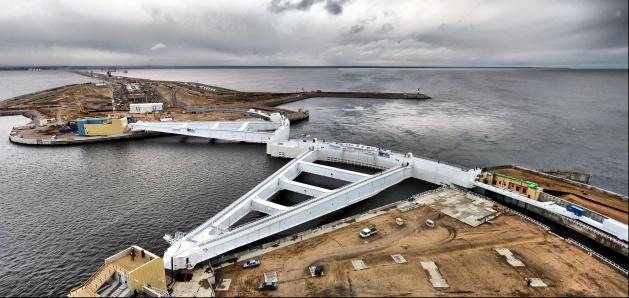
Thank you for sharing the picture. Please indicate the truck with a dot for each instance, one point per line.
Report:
(368, 232)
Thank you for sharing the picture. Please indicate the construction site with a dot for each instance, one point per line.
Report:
(55, 112)
(606, 203)
(445, 243)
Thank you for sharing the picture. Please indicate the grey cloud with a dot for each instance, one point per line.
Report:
(471, 33)
(361, 25)
(157, 46)
(386, 27)
(334, 7)
(356, 29)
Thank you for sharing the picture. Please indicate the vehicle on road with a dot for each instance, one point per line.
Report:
(251, 263)
(268, 286)
(368, 232)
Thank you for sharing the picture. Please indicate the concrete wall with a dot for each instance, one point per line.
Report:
(118, 255)
(440, 173)
(581, 177)
(151, 275)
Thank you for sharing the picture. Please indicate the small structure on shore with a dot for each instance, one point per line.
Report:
(143, 108)
(527, 188)
(101, 126)
(129, 272)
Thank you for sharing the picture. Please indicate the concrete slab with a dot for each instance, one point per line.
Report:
(224, 285)
(439, 283)
(436, 279)
(465, 207)
(504, 251)
(428, 265)
(536, 283)
(359, 264)
(399, 259)
(409, 206)
(270, 276)
(513, 261)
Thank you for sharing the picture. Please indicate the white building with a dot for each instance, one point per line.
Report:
(141, 108)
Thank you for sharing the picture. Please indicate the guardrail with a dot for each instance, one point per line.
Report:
(596, 231)
(598, 256)
(89, 279)
(543, 226)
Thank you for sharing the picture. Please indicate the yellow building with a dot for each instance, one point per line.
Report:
(129, 272)
(529, 189)
(112, 126)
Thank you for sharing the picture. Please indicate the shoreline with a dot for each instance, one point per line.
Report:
(82, 140)
(183, 101)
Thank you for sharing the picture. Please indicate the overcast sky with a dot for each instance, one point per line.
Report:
(569, 33)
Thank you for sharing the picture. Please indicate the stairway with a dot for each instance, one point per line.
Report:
(91, 286)
(119, 290)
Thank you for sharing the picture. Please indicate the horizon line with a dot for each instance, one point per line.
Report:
(51, 67)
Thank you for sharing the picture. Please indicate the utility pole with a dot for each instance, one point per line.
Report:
(113, 101)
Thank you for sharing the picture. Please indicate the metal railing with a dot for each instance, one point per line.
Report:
(599, 256)
(97, 279)
(596, 231)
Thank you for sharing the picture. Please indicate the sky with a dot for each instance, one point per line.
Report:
(546, 33)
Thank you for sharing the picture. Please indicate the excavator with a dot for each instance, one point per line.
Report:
(81, 107)
(77, 100)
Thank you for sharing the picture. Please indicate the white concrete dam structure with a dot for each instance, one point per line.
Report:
(277, 129)
(219, 234)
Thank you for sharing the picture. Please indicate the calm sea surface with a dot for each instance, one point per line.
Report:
(65, 209)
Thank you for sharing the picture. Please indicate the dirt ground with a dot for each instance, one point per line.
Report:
(465, 256)
(604, 204)
(63, 104)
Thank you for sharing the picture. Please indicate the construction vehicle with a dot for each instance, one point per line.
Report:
(81, 107)
(367, 232)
